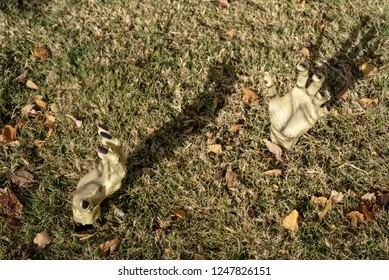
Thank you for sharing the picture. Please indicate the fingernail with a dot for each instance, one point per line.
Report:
(105, 135)
(102, 150)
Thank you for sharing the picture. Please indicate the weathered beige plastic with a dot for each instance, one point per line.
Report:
(101, 182)
(295, 113)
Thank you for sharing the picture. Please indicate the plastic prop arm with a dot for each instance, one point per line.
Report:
(102, 181)
(295, 113)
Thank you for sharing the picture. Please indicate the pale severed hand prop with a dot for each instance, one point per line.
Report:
(102, 181)
(295, 113)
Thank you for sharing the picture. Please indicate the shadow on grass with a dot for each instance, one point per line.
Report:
(10, 7)
(342, 69)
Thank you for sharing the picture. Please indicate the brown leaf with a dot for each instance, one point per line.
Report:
(369, 101)
(41, 104)
(368, 69)
(249, 96)
(9, 204)
(274, 149)
(290, 221)
(215, 103)
(369, 197)
(343, 94)
(235, 127)
(179, 213)
(42, 239)
(216, 149)
(53, 108)
(21, 78)
(29, 110)
(275, 172)
(8, 134)
(110, 245)
(355, 217)
(231, 177)
(305, 52)
(30, 84)
(42, 53)
(383, 200)
(19, 177)
(224, 3)
(369, 216)
(78, 123)
(219, 174)
(231, 33)
(49, 121)
(319, 201)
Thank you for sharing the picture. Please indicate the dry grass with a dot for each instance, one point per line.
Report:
(151, 70)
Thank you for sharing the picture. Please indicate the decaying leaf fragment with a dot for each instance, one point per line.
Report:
(30, 84)
(42, 53)
(319, 201)
(355, 217)
(305, 52)
(235, 127)
(335, 197)
(231, 33)
(249, 96)
(224, 3)
(179, 213)
(274, 149)
(368, 69)
(290, 221)
(383, 200)
(21, 78)
(231, 177)
(42, 239)
(78, 123)
(274, 172)
(8, 134)
(29, 111)
(110, 246)
(10, 206)
(369, 216)
(216, 149)
(19, 177)
(369, 101)
(369, 197)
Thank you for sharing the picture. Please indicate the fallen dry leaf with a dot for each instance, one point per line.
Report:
(216, 149)
(26, 162)
(224, 3)
(39, 143)
(21, 78)
(369, 216)
(40, 103)
(179, 213)
(42, 53)
(9, 204)
(319, 201)
(328, 206)
(369, 197)
(19, 177)
(369, 101)
(49, 121)
(53, 108)
(30, 84)
(235, 127)
(343, 94)
(219, 174)
(82, 236)
(383, 200)
(249, 96)
(274, 149)
(42, 239)
(209, 134)
(301, 3)
(215, 103)
(275, 172)
(110, 245)
(231, 33)
(335, 113)
(368, 69)
(29, 111)
(355, 217)
(78, 123)
(290, 221)
(336, 197)
(8, 134)
(231, 177)
(305, 52)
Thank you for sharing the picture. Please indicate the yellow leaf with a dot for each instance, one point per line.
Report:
(41, 104)
(368, 69)
(42, 53)
(179, 213)
(42, 239)
(290, 221)
(319, 201)
(30, 84)
(235, 127)
(110, 245)
(355, 217)
(231, 33)
(231, 177)
(249, 96)
(369, 101)
(305, 52)
(275, 172)
(216, 149)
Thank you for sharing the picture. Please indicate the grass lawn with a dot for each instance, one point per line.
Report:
(168, 76)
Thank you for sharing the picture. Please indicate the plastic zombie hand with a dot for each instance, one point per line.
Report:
(295, 113)
(102, 181)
